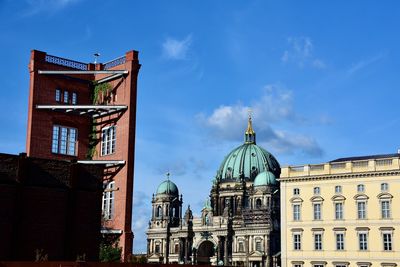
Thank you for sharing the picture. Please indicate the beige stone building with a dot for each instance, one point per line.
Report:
(344, 213)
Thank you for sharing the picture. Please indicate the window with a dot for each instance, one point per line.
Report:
(317, 211)
(318, 241)
(258, 245)
(157, 250)
(74, 98)
(64, 140)
(317, 190)
(176, 248)
(258, 203)
(387, 241)
(58, 95)
(66, 97)
(363, 241)
(385, 209)
(297, 265)
(241, 246)
(108, 201)
(296, 212)
(340, 241)
(296, 191)
(361, 210)
(360, 188)
(108, 140)
(297, 241)
(318, 265)
(338, 189)
(159, 211)
(384, 187)
(339, 211)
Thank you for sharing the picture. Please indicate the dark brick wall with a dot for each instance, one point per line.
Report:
(51, 205)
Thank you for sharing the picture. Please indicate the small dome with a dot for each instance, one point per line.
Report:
(167, 187)
(265, 178)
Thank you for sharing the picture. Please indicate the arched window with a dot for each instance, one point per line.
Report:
(108, 201)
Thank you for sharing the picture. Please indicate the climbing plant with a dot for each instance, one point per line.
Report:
(100, 89)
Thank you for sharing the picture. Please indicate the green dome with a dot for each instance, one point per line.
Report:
(167, 187)
(248, 160)
(265, 178)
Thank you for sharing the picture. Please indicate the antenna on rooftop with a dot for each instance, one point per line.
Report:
(96, 55)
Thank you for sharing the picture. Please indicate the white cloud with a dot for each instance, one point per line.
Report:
(301, 52)
(275, 106)
(364, 63)
(38, 6)
(176, 49)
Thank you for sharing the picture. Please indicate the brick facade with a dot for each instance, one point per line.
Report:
(123, 91)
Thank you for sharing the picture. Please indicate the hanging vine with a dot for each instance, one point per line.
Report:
(98, 93)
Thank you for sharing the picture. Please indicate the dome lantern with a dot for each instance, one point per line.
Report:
(250, 135)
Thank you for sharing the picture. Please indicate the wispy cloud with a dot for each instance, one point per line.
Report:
(364, 63)
(177, 49)
(140, 219)
(34, 7)
(274, 106)
(301, 52)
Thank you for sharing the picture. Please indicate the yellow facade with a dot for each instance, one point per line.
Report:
(342, 213)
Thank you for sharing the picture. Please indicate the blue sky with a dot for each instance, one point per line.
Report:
(321, 78)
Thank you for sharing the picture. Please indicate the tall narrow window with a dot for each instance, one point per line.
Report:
(387, 241)
(296, 212)
(317, 211)
(74, 98)
(385, 209)
(64, 140)
(157, 249)
(360, 188)
(338, 211)
(66, 97)
(241, 246)
(297, 241)
(361, 210)
(338, 189)
(317, 190)
(108, 140)
(363, 241)
(339, 241)
(58, 95)
(258, 245)
(108, 201)
(318, 241)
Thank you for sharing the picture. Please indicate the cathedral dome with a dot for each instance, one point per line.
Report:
(248, 160)
(167, 187)
(265, 178)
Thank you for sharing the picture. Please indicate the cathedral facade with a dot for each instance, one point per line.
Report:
(239, 223)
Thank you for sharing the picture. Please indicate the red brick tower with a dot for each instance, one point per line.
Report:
(87, 112)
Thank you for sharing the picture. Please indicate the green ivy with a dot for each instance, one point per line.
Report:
(103, 88)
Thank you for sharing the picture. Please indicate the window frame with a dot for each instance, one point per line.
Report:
(387, 243)
(61, 141)
(297, 241)
(317, 213)
(318, 241)
(296, 213)
(363, 242)
(108, 144)
(338, 189)
(339, 212)
(361, 213)
(339, 243)
(108, 207)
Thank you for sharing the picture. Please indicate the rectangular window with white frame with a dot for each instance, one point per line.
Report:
(387, 241)
(64, 140)
(317, 241)
(339, 211)
(339, 241)
(108, 139)
(317, 211)
(338, 189)
(363, 241)
(361, 209)
(385, 209)
(58, 95)
(108, 201)
(297, 241)
(296, 212)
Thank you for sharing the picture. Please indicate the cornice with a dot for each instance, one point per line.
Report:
(340, 176)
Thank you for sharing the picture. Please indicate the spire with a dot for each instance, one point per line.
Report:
(250, 135)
